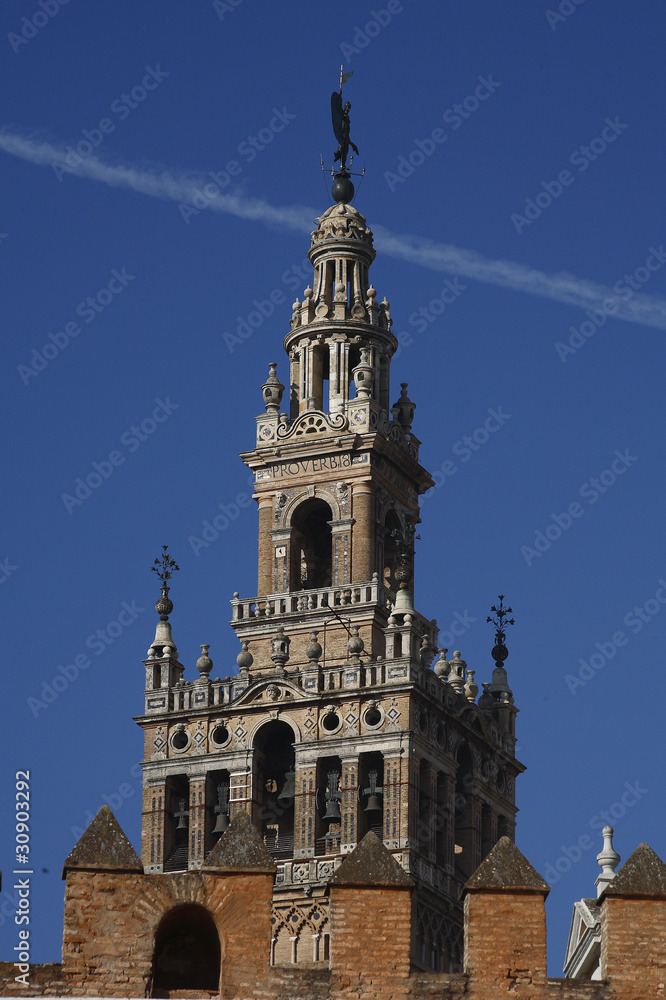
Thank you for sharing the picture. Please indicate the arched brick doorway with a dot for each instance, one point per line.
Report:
(187, 951)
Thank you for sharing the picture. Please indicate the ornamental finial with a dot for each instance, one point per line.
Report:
(499, 650)
(165, 567)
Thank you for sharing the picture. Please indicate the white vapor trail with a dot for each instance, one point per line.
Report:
(182, 186)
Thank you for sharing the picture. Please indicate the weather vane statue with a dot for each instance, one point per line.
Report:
(343, 189)
(340, 116)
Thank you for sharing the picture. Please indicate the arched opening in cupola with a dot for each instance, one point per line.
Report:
(390, 555)
(311, 546)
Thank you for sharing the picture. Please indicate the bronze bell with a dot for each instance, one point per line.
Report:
(181, 815)
(222, 808)
(332, 810)
(286, 796)
(333, 796)
(221, 823)
(374, 793)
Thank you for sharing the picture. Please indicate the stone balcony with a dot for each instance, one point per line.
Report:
(324, 599)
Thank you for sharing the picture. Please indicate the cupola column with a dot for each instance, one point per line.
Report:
(364, 545)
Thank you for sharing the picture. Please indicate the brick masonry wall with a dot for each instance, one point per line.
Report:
(111, 920)
(633, 954)
(505, 942)
(370, 958)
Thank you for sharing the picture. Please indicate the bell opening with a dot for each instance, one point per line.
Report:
(276, 787)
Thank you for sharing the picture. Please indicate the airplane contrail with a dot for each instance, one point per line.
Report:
(183, 186)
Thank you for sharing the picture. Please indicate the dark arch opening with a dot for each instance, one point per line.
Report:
(465, 831)
(391, 553)
(312, 545)
(187, 951)
(276, 786)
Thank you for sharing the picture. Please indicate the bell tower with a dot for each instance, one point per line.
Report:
(338, 476)
(336, 722)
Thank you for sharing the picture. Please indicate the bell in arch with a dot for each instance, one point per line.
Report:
(374, 793)
(286, 796)
(333, 796)
(222, 809)
(181, 815)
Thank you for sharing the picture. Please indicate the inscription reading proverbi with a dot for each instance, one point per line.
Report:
(306, 466)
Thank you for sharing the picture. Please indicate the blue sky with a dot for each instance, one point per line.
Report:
(513, 181)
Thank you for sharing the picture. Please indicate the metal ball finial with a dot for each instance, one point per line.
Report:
(343, 189)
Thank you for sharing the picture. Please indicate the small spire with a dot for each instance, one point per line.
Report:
(163, 644)
(403, 411)
(165, 567)
(204, 663)
(442, 667)
(499, 653)
(457, 668)
(404, 539)
(280, 643)
(608, 860)
(245, 659)
(272, 389)
(355, 645)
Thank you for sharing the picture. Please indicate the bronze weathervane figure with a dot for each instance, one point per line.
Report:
(340, 116)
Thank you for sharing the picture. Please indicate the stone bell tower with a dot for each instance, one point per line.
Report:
(336, 723)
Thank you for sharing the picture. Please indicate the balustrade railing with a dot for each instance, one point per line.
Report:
(321, 599)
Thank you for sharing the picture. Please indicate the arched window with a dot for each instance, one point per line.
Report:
(275, 784)
(177, 802)
(311, 546)
(442, 821)
(465, 830)
(187, 951)
(391, 554)
(371, 781)
(487, 841)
